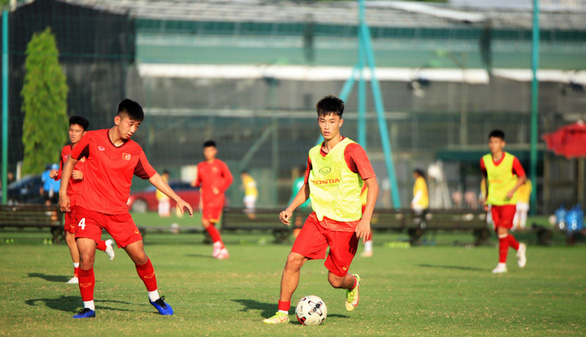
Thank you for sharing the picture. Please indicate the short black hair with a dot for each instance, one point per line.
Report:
(165, 172)
(84, 123)
(419, 172)
(330, 105)
(496, 134)
(209, 143)
(243, 171)
(132, 109)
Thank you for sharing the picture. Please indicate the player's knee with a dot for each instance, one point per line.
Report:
(86, 261)
(140, 259)
(294, 262)
(335, 281)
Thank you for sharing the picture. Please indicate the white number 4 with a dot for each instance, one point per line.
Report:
(82, 223)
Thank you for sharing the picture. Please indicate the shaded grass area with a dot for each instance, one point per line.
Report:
(427, 290)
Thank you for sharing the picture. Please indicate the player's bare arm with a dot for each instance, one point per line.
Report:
(160, 183)
(363, 227)
(64, 202)
(484, 182)
(300, 198)
(520, 181)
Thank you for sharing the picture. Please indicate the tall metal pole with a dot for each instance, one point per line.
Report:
(534, 104)
(4, 104)
(361, 82)
(380, 112)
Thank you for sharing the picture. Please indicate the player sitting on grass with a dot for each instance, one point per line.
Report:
(214, 177)
(336, 171)
(504, 174)
(77, 128)
(112, 159)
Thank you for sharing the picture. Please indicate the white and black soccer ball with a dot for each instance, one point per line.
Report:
(311, 310)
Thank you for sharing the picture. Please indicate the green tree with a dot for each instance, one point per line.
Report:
(45, 103)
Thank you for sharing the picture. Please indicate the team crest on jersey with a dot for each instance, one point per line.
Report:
(101, 148)
(126, 156)
(82, 159)
(325, 170)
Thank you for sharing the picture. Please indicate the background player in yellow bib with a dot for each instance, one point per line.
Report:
(337, 169)
(250, 193)
(523, 196)
(503, 174)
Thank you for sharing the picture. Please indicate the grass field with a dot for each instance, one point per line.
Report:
(430, 290)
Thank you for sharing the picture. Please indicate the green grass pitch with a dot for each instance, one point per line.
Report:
(440, 290)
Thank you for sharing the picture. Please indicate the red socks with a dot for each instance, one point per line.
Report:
(284, 306)
(214, 234)
(87, 281)
(146, 272)
(76, 272)
(355, 283)
(513, 242)
(101, 245)
(503, 248)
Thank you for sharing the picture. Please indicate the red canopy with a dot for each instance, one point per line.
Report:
(568, 141)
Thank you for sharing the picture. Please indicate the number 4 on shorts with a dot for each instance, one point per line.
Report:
(82, 223)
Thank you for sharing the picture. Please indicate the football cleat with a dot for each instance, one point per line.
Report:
(352, 297)
(500, 268)
(110, 249)
(85, 313)
(223, 254)
(161, 306)
(366, 253)
(217, 249)
(522, 255)
(278, 318)
(74, 280)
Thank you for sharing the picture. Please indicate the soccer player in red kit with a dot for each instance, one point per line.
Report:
(77, 128)
(337, 170)
(214, 177)
(504, 175)
(112, 159)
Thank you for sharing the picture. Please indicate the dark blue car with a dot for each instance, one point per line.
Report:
(25, 191)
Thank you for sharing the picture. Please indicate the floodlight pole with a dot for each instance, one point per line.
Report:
(534, 105)
(4, 105)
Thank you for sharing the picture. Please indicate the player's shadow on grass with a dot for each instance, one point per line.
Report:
(267, 309)
(200, 255)
(69, 303)
(50, 278)
(451, 267)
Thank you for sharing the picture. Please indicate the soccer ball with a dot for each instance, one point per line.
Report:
(311, 310)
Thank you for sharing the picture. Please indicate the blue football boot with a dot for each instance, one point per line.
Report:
(161, 306)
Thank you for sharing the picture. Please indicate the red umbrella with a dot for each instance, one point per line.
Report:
(568, 141)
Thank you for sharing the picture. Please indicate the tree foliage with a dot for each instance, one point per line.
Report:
(44, 96)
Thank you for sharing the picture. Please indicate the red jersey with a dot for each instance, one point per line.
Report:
(108, 171)
(357, 162)
(211, 175)
(74, 185)
(517, 167)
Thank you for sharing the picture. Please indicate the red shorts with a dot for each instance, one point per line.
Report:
(70, 223)
(502, 216)
(120, 226)
(211, 213)
(313, 241)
